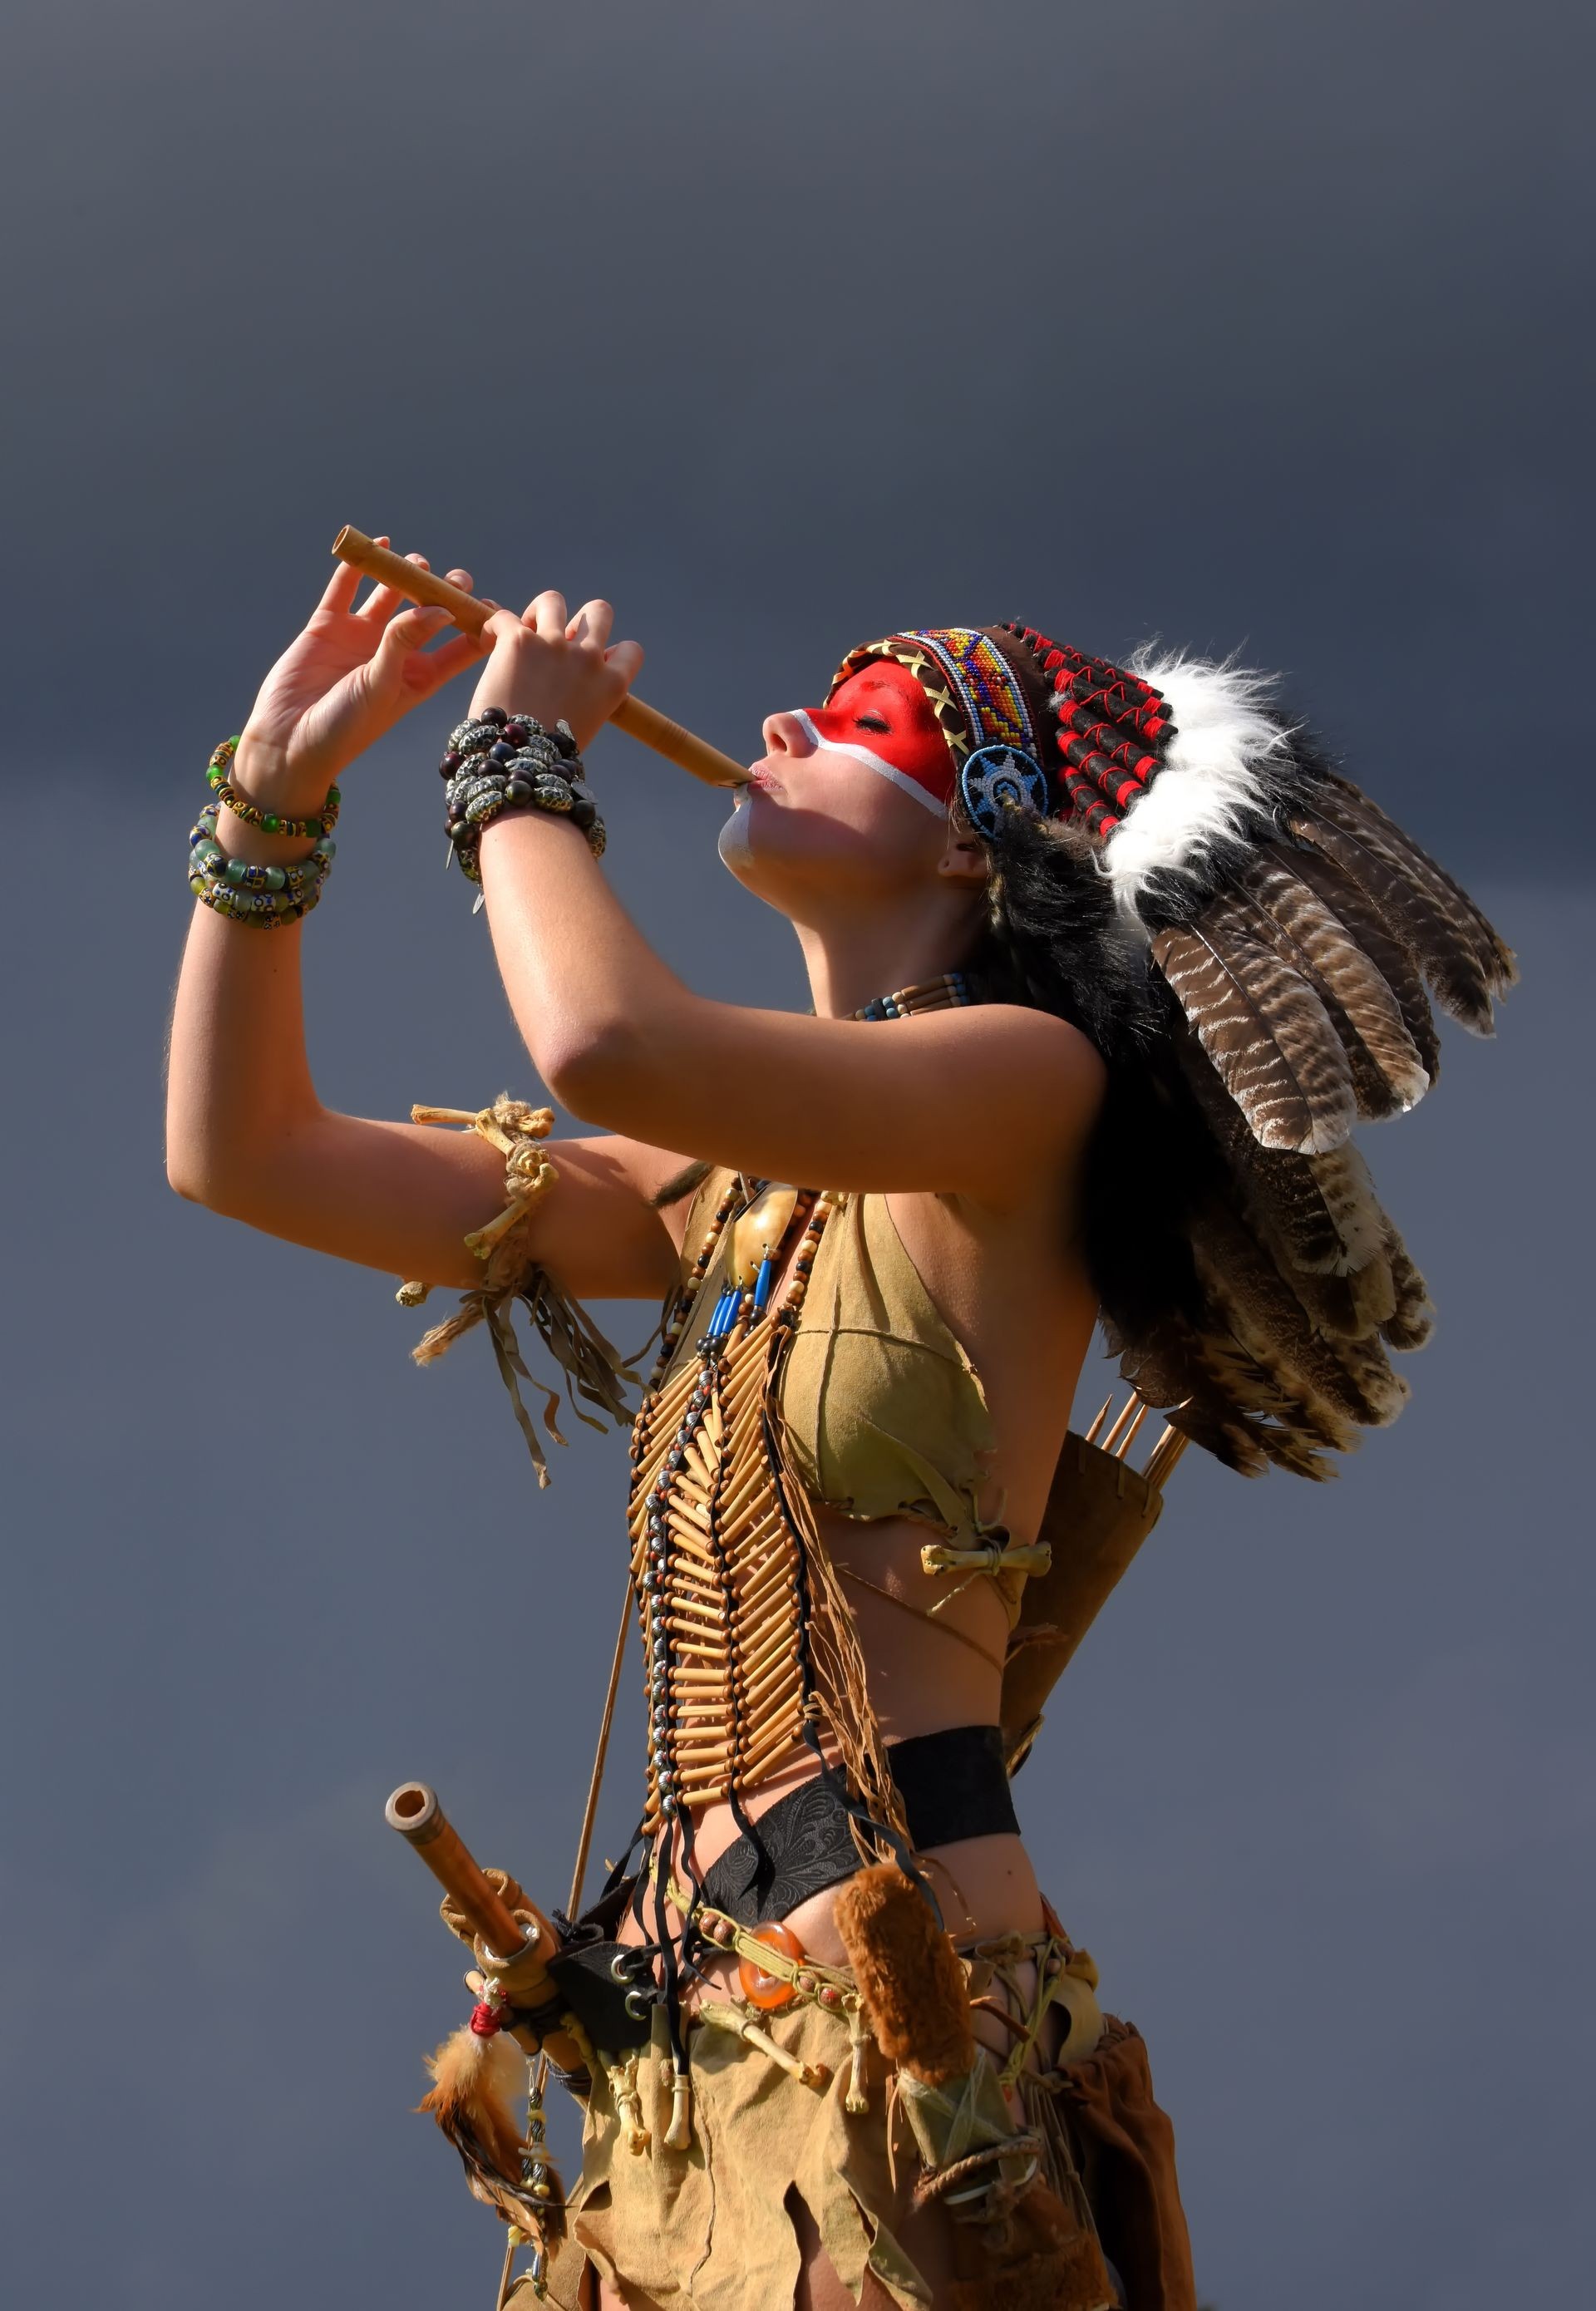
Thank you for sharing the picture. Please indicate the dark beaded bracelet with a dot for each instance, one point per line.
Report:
(497, 762)
(267, 822)
(494, 730)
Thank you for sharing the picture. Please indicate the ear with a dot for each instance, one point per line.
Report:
(963, 859)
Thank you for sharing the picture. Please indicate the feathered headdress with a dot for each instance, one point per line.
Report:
(1255, 946)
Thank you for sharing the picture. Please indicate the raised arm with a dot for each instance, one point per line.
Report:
(246, 1132)
(976, 1103)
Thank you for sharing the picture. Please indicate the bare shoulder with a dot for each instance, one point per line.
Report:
(1041, 1075)
(1023, 1028)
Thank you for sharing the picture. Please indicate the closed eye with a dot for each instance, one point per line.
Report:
(870, 722)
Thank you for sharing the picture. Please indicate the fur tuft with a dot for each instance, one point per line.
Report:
(913, 1985)
(1227, 766)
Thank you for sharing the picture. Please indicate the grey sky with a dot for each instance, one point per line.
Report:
(1251, 325)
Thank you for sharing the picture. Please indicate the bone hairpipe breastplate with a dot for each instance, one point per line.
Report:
(716, 1568)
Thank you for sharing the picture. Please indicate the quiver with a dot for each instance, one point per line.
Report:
(1099, 1512)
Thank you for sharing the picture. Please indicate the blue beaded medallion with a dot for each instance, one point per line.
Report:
(996, 779)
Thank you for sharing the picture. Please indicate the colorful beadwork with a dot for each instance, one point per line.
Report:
(246, 893)
(986, 684)
(999, 779)
(1108, 742)
(973, 689)
(267, 822)
(954, 990)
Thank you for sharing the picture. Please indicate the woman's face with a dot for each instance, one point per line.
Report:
(850, 799)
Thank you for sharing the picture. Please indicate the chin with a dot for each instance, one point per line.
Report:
(734, 843)
(764, 842)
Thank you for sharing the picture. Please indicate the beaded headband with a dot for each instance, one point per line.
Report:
(973, 690)
(1032, 721)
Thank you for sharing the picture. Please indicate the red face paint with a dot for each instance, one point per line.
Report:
(881, 715)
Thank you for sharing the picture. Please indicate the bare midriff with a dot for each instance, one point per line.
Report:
(933, 1645)
(923, 1679)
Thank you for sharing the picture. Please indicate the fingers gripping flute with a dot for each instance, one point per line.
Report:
(640, 721)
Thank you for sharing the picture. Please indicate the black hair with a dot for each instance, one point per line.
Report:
(1054, 939)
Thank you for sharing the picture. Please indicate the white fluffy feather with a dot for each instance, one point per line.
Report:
(1210, 780)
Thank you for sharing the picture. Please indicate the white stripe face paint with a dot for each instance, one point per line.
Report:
(732, 841)
(900, 778)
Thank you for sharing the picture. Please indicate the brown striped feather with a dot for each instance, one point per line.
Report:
(1263, 1029)
(1390, 955)
(1337, 1389)
(1318, 1211)
(1421, 912)
(1387, 1070)
(1213, 1391)
(1341, 1180)
(1496, 957)
(1414, 1318)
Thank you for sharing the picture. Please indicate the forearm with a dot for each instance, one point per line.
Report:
(238, 1078)
(593, 1001)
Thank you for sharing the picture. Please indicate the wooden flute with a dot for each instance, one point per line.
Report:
(640, 721)
(414, 1810)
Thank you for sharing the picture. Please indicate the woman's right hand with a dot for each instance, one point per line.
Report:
(340, 684)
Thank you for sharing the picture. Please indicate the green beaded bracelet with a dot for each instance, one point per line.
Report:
(246, 893)
(267, 822)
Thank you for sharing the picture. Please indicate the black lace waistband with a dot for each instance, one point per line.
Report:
(954, 1784)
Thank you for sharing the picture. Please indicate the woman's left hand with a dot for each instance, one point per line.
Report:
(557, 668)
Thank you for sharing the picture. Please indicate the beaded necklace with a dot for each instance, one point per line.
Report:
(952, 991)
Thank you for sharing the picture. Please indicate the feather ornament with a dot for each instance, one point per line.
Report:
(1420, 910)
(1171, 1365)
(476, 2082)
(1495, 956)
(1299, 936)
(1413, 1318)
(1374, 1096)
(1388, 1073)
(1390, 955)
(1263, 1028)
(1321, 1209)
(1337, 1384)
(1274, 1429)
(1215, 1392)
(1277, 1353)
(1255, 1378)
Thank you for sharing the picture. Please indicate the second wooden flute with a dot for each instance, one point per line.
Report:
(414, 1810)
(639, 721)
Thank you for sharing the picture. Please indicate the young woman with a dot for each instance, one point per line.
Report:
(1104, 966)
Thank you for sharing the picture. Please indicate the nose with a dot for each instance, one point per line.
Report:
(788, 733)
